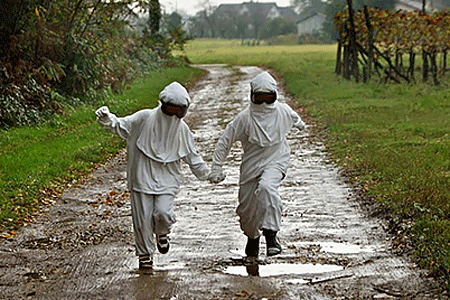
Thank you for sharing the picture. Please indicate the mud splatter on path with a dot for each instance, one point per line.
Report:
(82, 247)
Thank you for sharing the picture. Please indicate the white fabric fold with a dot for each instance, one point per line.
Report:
(269, 124)
(164, 138)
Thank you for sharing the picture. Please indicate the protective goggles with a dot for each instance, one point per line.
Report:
(260, 98)
(174, 110)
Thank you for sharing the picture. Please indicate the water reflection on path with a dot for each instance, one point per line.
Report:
(278, 269)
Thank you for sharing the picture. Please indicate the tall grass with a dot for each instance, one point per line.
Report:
(36, 161)
(392, 139)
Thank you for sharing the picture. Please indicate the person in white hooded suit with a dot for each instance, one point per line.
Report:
(157, 140)
(262, 130)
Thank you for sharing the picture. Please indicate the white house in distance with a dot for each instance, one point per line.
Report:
(310, 23)
(431, 5)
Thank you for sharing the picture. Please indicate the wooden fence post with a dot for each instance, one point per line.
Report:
(338, 69)
(370, 50)
(425, 56)
(353, 49)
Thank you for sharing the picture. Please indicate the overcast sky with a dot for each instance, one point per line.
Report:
(193, 6)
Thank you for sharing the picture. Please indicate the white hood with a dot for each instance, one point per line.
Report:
(263, 83)
(268, 125)
(167, 138)
(176, 94)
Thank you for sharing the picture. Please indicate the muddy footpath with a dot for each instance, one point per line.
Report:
(81, 247)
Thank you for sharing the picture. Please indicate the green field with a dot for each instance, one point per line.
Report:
(392, 140)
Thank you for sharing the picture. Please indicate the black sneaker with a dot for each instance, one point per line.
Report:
(145, 262)
(163, 243)
(273, 247)
(252, 247)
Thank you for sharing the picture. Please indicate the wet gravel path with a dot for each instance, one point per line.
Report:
(82, 246)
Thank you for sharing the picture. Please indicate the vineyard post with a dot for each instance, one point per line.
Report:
(444, 62)
(412, 60)
(352, 42)
(434, 67)
(370, 52)
(424, 53)
(425, 65)
(338, 69)
(346, 63)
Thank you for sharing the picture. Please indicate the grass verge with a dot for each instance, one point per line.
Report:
(392, 139)
(36, 162)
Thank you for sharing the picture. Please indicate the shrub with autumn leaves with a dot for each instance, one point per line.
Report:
(399, 33)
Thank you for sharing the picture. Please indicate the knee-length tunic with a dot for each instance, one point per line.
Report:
(262, 130)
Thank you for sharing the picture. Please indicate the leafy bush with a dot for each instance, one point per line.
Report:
(54, 53)
(26, 104)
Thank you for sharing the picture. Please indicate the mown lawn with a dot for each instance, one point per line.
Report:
(36, 162)
(391, 139)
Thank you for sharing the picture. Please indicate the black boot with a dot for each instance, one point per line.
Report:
(273, 247)
(252, 247)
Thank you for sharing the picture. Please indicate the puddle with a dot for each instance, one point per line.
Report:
(341, 248)
(281, 269)
(238, 253)
(157, 269)
(297, 281)
(169, 267)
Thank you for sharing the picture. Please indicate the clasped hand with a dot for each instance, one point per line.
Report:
(216, 175)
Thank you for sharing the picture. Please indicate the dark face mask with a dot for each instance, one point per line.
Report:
(260, 98)
(174, 110)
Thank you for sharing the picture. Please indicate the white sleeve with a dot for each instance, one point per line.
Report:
(296, 119)
(229, 136)
(119, 126)
(197, 165)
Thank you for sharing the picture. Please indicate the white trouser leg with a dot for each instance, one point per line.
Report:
(141, 212)
(260, 203)
(163, 214)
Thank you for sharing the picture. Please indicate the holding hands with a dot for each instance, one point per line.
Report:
(216, 175)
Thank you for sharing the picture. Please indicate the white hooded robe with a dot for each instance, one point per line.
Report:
(262, 131)
(156, 144)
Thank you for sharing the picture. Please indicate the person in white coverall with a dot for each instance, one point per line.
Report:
(157, 140)
(262, 130)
